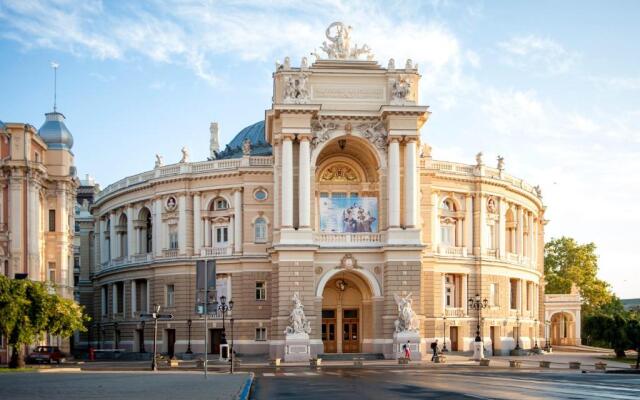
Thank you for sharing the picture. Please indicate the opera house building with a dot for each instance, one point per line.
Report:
(330, 224)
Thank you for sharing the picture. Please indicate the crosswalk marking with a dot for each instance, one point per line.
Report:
(311, 373)
(268, 374)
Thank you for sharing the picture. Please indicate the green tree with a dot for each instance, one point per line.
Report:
(566, 262)
(28, 309)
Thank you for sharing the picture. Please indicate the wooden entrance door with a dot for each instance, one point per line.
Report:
(453, 334)
(329, 335)
(171, 342)
(215, 339)
(494, 339)
(350, 332)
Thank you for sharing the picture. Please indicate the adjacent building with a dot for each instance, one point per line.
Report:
(37, 196)
(333, 196)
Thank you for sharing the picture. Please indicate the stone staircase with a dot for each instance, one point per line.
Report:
(350, 356)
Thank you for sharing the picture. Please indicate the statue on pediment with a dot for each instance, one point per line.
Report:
(295, 89)
(400, 90)
(339, 45)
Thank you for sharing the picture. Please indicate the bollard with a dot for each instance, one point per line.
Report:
(515, 364)
(601, 366)
(545, 364)
(484, 362)
(574, 365)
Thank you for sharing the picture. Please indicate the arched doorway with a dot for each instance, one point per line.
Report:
(346, 313)
(563, 329)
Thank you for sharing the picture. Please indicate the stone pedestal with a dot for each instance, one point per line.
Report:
(478, 351)
(296, 347)
(411, 339)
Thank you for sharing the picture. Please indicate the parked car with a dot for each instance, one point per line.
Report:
(47, 354)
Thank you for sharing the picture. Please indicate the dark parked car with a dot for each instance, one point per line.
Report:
(47, 354)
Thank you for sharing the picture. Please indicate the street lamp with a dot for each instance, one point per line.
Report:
(189, 343)
(535, 336)
(444, 333)
(477, 304)
(517, 332)
(154, 362)
(547, 345)
(224, 307)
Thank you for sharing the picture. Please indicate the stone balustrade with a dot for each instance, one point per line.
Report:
(216, 251)
(348, 239)
(183, 169)
(454, 312)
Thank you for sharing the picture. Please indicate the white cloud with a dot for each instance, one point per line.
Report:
(620, 83)
(538, 55)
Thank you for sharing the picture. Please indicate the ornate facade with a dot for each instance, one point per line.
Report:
(333, 199)
(37, 195)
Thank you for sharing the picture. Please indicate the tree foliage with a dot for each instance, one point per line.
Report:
(566, 262)
(28, 309)
(620, 331)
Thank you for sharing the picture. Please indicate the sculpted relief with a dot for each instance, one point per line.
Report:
(295, 89)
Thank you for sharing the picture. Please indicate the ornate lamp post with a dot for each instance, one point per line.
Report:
(547, 345)
(478, 305)
(517, 332)
(224, 308)
(444, 333)
(189, 342)
(154, 361)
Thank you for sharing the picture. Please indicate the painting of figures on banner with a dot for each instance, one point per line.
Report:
(349, 215)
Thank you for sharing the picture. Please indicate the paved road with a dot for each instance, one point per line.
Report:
(461, 383)
(119, 385)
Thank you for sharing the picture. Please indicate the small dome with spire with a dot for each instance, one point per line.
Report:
(55, 133)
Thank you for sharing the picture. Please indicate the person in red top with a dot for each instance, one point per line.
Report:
(407, 351)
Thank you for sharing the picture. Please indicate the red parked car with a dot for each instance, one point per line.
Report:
(47, 354)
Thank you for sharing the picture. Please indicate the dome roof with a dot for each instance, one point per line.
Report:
(255, 133)
(55, 133)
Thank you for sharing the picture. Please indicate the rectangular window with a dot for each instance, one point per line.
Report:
(513, 290)
(261, 334)
(52, 272)
(446, 235)
(493, 294)
(261, 290)
(222, 235)
(170, 295)
(120, 297)
(52, 220)
(450, 291)
(173, 237)
(528, 296)
(103, 300)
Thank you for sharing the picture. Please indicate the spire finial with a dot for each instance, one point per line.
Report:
(55, 67)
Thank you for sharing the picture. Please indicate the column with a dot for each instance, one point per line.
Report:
(134, 299)
(287, 182)
(444, 293)
(113, 238)
(532, 239)
(207, 232)
(16, 225)
(114, 299)
(197, 223)
(520, 232)
(232, 234)
(459, 239)
(33, 245)
(435, 222)
(520, 296)
(464, 294)
(158, 242)
(182, 224)
(502, 210)
(534, 244)
(483, 224)
(138, 243)
(102, 225)
(393, 179)
(66, 274)
(410, 186)
(237, 219)
(131, 236)
(304, 187)
(468, 223)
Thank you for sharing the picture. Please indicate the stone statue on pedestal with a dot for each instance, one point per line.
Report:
(298, 323)
(407, 319)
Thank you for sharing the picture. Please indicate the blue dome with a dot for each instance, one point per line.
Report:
(55, 133)
(255, 133)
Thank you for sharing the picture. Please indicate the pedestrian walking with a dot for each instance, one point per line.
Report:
(407, 350)
(434, 347)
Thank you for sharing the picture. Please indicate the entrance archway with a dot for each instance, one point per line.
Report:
(346, 313)
(563, 329)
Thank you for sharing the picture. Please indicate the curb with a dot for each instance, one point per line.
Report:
(244, 393)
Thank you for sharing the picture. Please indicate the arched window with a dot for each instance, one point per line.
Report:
(260, 230)
(146, 233)
(447, 205)
(220, 204)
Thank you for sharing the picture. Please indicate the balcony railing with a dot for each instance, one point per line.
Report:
(452, 251)
(136, 258)
(170, 253)
(216, 251)
(348, 239)
(453, 312)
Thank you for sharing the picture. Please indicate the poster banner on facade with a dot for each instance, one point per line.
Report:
(349, 215)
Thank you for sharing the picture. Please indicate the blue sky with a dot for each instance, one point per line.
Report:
(552, 86)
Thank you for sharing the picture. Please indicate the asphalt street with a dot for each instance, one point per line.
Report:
(463, 383)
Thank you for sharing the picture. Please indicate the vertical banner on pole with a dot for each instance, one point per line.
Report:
(211, 285)
(201, 285)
